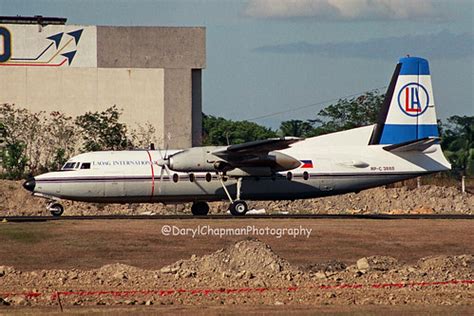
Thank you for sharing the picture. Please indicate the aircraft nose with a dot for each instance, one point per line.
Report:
(30, 184)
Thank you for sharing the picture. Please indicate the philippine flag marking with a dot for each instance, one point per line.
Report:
(307, 164)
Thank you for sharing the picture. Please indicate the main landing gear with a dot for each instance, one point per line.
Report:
(237, 207)
(200, 208)
(55, 208)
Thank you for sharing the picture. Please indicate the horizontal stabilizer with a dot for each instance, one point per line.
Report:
(414, 145)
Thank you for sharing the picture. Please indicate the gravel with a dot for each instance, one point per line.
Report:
(252, 266)
(428, 199)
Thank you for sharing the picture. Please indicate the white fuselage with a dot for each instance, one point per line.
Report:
(336, 163)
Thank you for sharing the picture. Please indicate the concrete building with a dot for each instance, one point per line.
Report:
(152, 73)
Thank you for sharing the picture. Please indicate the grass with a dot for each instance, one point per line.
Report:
(10, 232)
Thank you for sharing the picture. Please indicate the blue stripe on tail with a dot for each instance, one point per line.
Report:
(399, 133)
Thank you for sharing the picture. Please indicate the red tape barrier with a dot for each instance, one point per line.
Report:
(55, 295)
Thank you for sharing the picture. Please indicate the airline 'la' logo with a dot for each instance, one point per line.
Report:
(413, 99)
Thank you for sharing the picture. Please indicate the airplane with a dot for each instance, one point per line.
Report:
(403, 144)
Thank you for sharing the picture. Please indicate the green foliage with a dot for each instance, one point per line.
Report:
(3, 133)
(14, 161)
(42, 135)
(350, 113)
(343, 115)
(296, 128)
(219, 131)
(103, 131)
(59, 159)
(458, 142)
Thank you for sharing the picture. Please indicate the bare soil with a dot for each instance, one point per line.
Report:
(344, 264)
(428, 199)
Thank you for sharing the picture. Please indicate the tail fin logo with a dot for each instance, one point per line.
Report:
(413, 99)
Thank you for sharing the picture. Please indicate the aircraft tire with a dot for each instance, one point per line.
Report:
(200, 208)
(56, 209)
(238, 208)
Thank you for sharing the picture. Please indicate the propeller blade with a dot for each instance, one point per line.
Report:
(161, 155)
(168, 136)
(167, 170)
(161, 179)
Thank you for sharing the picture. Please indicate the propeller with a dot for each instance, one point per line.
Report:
(164, 162)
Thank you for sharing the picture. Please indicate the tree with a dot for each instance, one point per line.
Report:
(296, 128)
(349, 113)
(46, 140)
(103, 131)
(219, 131)
(458, 142)
(14, 160)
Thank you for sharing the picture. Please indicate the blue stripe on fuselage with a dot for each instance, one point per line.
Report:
(399, 133)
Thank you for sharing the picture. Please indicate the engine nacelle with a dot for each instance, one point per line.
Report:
(195, 159)
(201, 159)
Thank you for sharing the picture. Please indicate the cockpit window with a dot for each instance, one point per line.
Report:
(86, 165)
(69, 166)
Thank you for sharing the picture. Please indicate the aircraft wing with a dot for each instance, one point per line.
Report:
(255, 148)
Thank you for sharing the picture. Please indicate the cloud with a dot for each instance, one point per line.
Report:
(344, 9)
(440, 45)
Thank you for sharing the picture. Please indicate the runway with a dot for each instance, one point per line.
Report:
(238, 218)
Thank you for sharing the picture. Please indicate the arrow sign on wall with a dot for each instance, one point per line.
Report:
(56, 38)
(76, 34)
(70, 56)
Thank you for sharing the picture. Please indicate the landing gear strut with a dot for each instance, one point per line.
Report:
(237, 207)
(55, 208)
(200, 208)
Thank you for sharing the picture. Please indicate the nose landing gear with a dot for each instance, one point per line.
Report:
(55, 208)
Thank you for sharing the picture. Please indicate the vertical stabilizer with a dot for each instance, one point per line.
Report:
(408, 112)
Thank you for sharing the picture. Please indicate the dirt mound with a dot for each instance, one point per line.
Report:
(428, 199)
(446, 263)
(250, 266)
(119, 271)
(330, 266)
(244, 260)
(376, 263)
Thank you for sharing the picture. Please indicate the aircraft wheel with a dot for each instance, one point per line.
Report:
(56, 209)
(238, 208)
(200, 208)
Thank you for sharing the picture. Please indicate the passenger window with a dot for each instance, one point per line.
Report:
(306, 175)
(175, 177)
(289, 176)
(86, 165)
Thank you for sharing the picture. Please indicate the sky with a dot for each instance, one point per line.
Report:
(275, 60)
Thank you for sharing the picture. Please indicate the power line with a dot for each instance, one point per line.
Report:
(298, 108)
